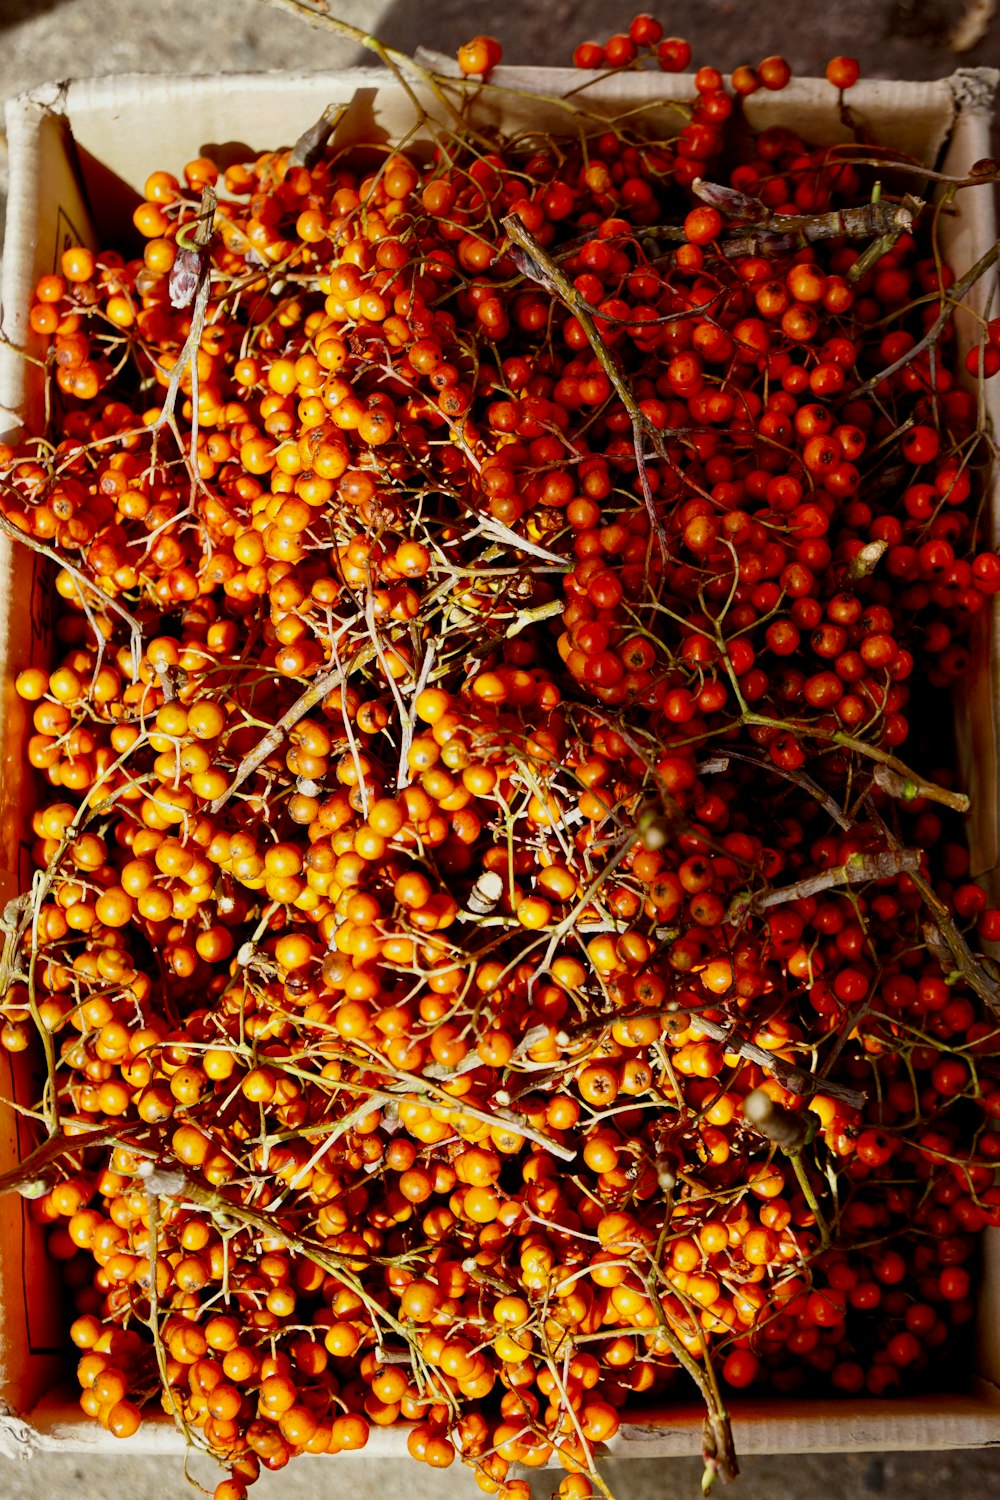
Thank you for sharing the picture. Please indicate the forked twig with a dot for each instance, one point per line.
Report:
(858, 869)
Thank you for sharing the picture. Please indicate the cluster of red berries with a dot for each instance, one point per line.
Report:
(469, 768)
(644, 42)
(644, 38)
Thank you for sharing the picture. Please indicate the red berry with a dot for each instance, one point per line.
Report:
(986, 573)
(904, 1349)
(589, 55)
(645, 30)
(703, 225)
(843, 72)
(714, 105)
(954, 1283)
(984, 361)
(890, 1268)
(921, 444)
(741, 1368)
(774, 73)
(479, 55)
(673, 54)
(745, 80)
(707, 80)
(620, 50)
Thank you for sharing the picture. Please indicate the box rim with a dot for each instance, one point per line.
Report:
(24, 114)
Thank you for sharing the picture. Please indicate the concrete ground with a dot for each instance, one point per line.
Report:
(47, 39)
(895, 1476)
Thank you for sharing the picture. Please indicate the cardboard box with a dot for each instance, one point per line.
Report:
(79, 154)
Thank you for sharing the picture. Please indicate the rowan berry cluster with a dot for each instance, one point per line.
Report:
(490, 590)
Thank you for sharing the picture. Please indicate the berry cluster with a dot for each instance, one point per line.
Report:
(493, 966)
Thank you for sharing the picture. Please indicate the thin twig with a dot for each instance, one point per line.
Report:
(907, 788)
(796, 1080)
(32, 1171)
(720, 763)
(409, 720)
(858, 869)
(497, 1116)
(400, 64)
(947, 943)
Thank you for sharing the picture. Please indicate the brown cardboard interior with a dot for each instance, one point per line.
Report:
(93, 143)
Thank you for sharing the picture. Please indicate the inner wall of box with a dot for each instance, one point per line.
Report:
(963, 237)
(33, 1330)
(183, 117)
(107, 150)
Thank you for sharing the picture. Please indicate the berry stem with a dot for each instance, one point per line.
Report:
(718, 1434)
(802, 1177)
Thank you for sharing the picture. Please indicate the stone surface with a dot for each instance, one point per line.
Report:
(817, 1476)
(46, 39)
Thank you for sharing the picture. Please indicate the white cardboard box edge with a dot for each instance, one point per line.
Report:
(98, 111)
